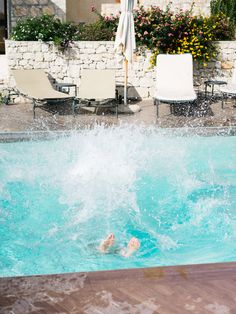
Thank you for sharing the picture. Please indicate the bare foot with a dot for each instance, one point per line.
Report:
(132, 247)
(107, 243)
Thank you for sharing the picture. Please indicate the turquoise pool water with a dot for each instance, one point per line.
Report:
(60, 197)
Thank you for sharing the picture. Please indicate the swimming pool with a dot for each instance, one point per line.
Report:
(174, 191)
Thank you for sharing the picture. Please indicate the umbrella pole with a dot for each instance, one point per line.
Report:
(126, 82)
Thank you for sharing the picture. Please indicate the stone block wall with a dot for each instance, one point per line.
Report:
(67, 67)
(25, 8)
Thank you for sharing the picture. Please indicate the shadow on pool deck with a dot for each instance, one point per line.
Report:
(19, 117)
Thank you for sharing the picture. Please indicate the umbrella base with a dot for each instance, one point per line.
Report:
(129, 109)
(134, 108)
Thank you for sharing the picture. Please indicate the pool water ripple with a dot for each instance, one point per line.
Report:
(60, 197)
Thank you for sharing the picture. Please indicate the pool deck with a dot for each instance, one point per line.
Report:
(165, 290)
(209, 288)
(19, 117)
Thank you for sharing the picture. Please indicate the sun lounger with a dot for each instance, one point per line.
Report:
(35, 85)
(174, 80)
(229, 90)
(97, 90)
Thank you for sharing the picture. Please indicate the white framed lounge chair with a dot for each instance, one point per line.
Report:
(174, 80)
(35, 85)
(229, 90)
(98, 89)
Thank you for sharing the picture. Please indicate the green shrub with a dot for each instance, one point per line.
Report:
(45, 28)
(227, 7)
(104, 29)
(95, 31)
(223, 29)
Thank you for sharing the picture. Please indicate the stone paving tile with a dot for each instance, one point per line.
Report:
(199, 289)
(19, 117)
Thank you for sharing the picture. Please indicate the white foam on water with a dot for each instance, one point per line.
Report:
(204, 208)
(104, 170)
(166, 242)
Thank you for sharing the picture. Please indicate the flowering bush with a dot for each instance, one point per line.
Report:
(46, 28)
(166, 32)
(163, 31)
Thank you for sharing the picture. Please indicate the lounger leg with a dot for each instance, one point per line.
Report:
(73, 107)
(34, 105)
(189, 107)
(205, 91)
(222, 101)
(78, 106)
(157, 104)
(6, 99)
(117, 110)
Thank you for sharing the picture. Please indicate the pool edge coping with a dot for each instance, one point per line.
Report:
(18, 136)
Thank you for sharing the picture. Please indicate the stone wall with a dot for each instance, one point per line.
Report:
(24, 8)
(67, 67)
(200, 6)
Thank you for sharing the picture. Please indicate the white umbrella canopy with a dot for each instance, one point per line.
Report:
(125, 37)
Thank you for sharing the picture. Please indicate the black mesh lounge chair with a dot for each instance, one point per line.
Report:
(35, 85)
(98, 90)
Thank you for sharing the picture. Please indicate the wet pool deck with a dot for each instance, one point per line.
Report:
(165, 290)
(182, 289)
(19, 117)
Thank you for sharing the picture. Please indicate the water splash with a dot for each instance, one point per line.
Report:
(59, 198)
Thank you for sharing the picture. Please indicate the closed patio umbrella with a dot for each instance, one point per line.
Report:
(125, 37)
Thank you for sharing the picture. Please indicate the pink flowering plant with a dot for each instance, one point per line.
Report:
(163, 31)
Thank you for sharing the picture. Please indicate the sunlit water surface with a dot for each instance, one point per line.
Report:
(59, 198)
